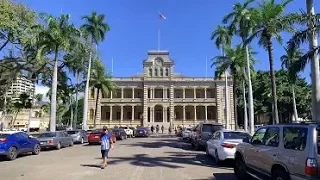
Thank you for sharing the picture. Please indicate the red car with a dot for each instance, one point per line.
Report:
(94, 137)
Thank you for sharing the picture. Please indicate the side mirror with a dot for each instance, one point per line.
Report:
(30, 136)
(246, 140)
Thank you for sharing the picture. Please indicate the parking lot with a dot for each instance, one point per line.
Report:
(158, 158)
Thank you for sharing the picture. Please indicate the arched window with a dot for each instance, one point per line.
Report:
(167, 72)
(150, 72)
(156, 72)
(161, 72)
(91, 115)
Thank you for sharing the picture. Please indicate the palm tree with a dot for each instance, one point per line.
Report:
(60, 35)
(288, 62)
(222, 37)
(95, 28)
(100, 81)
(242, 25)
(310, 34)
(269, 21)
(24, 101)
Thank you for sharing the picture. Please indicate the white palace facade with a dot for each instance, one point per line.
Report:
(159, 96)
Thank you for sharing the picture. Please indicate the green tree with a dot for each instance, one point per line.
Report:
(95, 29)
(270, 21)
(24, 102)
(101, 81)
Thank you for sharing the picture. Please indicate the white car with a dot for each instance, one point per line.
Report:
(186, 133)
(222, 145)
(128, 131)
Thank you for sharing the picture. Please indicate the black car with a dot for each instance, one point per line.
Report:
(119, 133)
(143, 132)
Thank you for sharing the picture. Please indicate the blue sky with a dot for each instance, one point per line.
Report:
(134, 25)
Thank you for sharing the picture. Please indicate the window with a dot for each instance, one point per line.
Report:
(92, 93)
(210, 128)
(45, 135)
(258, 136)
(150, 72)
(118, 115)
(217, 135)
(271, 138)
(167, 72)
(161, 72)
(23, 135)
(235, 135)
(295, 138)
(91, 115)
(156, 72)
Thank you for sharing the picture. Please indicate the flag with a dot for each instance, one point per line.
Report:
(161, 16)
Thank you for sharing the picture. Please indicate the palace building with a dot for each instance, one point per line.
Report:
(159, 96)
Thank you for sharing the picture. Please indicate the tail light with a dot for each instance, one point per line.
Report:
(227, 145)
(50, 142)
(2, 140)
(311, 167)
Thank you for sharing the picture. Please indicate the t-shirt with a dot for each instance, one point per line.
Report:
(105, 141)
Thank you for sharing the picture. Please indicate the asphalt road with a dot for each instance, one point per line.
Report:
(154, 158)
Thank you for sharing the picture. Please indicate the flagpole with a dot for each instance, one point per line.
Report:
(159, 38)
(112, 66)
(206, 66)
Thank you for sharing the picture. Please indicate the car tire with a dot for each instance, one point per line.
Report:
(279, 174)
(218, 161)
(58, 147)
(207, 152)
(240, 169)
(81, 141)
(12, 153)
(36, 149)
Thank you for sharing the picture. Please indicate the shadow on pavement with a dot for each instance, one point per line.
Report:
(91, 165)
(224, 176)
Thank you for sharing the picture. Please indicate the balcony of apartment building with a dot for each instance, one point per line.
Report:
(121, 114)
(124, 94)
(186, 114)
(195, 94)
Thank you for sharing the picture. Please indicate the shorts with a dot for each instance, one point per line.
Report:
(105, 153)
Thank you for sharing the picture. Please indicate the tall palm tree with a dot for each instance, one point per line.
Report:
(223, 38)
(241, 25)
(269, 21)
(100, 81)
(60, 36)
(95, 28)
(288, 60)
(310, 34)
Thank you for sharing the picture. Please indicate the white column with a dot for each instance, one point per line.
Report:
(205, 93)
(206, 112)
(163, 114)
(195, 113)
(110, 118)
(132, 93)
(184, 92)
(111, 94)
(132, 118)
(152, 114)
(163, 93)
(122, 91)
(184, 113)
(194, 93)
(121, 114)
(153, 93)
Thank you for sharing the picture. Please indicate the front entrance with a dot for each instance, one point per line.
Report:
(158, 113)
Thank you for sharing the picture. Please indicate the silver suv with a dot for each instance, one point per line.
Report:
(280, 152)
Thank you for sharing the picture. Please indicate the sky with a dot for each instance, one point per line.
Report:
(185, 33)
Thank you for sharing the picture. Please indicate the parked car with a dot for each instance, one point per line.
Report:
(13, 143)
(186, 133)
(119, 133)
(283, 151)
(128, 131)
(79, 136)
(222, 145)
(203, 132)
(56, 139)
(143, 132)
(94, 136)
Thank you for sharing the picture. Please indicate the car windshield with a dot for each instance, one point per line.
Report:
(235, 135)
(3, 135)
(116, 130)
(72, 132)
(44, 135)
(211, 128)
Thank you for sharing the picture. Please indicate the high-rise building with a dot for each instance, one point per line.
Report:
(159, 96)
(20, 85)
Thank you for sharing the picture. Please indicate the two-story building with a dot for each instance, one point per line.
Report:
(159, 96)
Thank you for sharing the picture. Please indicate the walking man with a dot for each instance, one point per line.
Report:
(106, 144)
(162, 128)
(157, 129)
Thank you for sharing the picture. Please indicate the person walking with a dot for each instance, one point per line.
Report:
(106, 145)
(162, 128)
(157, 129)
(152, 129)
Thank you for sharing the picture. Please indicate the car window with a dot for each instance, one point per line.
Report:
(3, 136)
(235, 135)
(23, 135)
(210, 128)
(72, 132)
(271, 138)
(295, 138)
(258, 136)
(44, 135)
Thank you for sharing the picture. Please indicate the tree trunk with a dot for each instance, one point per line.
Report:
(71, 111)
(53, 100)
(295, 112)
(96, 109)
(30, 111)
(273, 82)
(315, 70)
(4, 113)
(15, 118)
(245, 108)
(86, 95)
(76, 108)
(226, 101)
(250, 93)
(235, 102)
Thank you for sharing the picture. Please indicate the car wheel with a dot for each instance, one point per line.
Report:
(207, 151)
(82, 141)
(58, 146)
(218, 161)
(240, 169)
(12, 153)
(279, 174)
(36, 149)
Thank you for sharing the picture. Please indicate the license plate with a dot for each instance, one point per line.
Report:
(96, 137)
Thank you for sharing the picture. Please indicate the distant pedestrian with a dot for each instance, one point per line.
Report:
(170, 129)
(157, 129)
(162, 128)
(152, 129)
(106, 145)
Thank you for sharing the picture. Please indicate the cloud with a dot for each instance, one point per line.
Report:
(42, 90)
